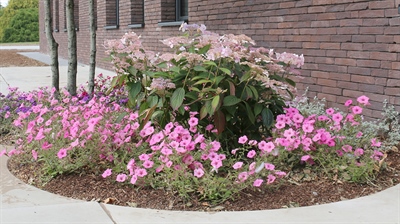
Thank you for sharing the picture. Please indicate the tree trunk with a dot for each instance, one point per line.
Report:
(92, 62)
(53, 47)
(72, 58)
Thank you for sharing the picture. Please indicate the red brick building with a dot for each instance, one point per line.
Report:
(351, 47)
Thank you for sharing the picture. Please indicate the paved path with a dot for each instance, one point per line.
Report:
(30, 78)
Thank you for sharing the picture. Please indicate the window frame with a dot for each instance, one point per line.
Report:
(116, 25)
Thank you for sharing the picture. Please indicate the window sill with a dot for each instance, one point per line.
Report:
(133, 26)
(174, 23)
(111, 27)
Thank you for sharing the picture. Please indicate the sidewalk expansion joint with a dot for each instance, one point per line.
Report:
(107, 212)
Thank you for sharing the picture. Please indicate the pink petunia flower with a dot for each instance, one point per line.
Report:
(363, 100)
(34, 155)
(348, 103)
(243, 139)
(358, 152)
(375, 143)
(330, 111)
(243, 176)
(121, 177)
(62, 153)
(270, 179)
(237, 165)
(269, 166)
(134, 179)
(258, 182)
(251, 154)
(198, 172)
(106, 173)
(356, 110)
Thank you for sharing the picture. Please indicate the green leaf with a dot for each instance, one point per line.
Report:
(132, 70)
(203, 112)
(231, 100)
(218, 79)
(204, 49)
(215, 103)
(192, 95)
(162, 65)
(291, 82)
(245, 77)
(255, 92)
(202, 82)
(268, 117)
(152, 100)
(257, 109)
(249, 93)
(175, 69)
(250, 113)
(199, 68)
(177, 98)
(211, 63)
(134, 89)
(226, 71)
(156, 115)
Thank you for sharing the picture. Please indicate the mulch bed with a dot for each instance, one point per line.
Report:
(90, 187)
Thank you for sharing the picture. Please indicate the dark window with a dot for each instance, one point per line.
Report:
(65, 14)
(76, 14)
(182, 11)
(173, 12)
(137, 13)
(56, 16)
(112, 14)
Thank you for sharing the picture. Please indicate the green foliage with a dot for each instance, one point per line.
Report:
(23, 27)
(239, 91)
(13, 7)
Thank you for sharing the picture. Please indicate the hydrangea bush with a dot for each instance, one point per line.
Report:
(235, 87)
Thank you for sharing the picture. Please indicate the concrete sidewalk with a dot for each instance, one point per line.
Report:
(30, 78)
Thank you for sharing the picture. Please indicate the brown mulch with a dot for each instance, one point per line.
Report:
(90, 187)
(11, 58)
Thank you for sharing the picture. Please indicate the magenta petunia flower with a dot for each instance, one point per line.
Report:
(251, 154)
(62, 153)
(363, 100)
(121, 177)
(198, 172)
(348, 103)
(237, 165)
(106, 173)
(356, 110)
(258, 182)
(269, 166)
(243, 139)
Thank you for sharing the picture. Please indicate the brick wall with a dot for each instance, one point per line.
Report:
(351, 47)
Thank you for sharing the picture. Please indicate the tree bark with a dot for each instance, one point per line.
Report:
(53, 47)
(72, 57)
(93, 49)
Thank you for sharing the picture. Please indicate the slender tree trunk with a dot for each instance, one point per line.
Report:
(52, 46)
(72, 58)
(92, 62)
